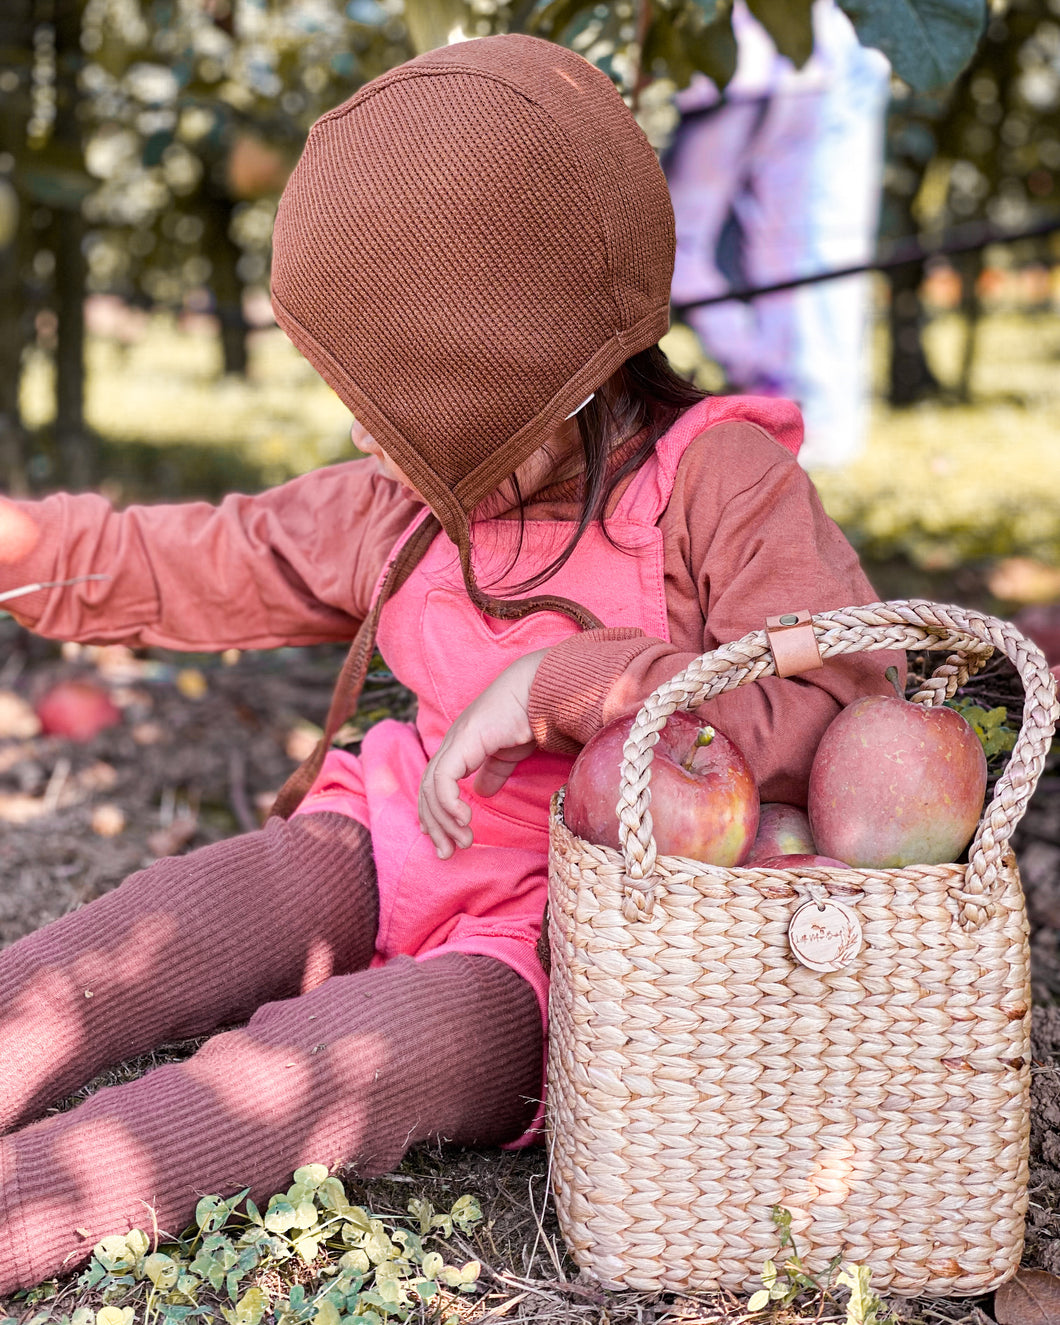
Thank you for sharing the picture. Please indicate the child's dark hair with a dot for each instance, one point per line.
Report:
(642, 399)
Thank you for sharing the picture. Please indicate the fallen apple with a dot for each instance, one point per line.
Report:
(799, 861)
(783, 830)
(895, 783)
(704, 800)
(77, 710)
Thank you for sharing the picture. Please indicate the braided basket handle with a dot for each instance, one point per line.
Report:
(969, 635)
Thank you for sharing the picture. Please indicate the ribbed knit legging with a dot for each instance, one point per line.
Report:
(336, 1064)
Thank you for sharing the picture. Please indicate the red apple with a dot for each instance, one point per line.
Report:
(704, 800)
(797, 861)
(783, 830)
(76, 710)
(895, 783)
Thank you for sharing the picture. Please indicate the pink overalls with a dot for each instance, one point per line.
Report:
(490, 897)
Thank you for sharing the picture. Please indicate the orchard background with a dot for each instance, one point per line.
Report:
(143, 145)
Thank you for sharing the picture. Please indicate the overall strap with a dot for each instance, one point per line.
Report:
(409, 552)
(647, 495)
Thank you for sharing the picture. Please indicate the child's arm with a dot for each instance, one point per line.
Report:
(293, 565)
(746, 538)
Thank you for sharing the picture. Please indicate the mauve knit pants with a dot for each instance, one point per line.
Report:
(336, 1064)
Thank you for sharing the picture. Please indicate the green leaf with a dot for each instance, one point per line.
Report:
(863, 1304)
(554, 19)
(332, 1195)
(355, 1260)
(162, 1270)
(358, 1218)
(114, 1254)
(211, 1211)
(708, 9)
(680, 44)
(138, 1242)
(115, 1316)
(928, 42)
(307, 1247)
(466, 1212)
(312, 1175)
(280, 1216)
(758, 1300)
(425, 1289)
(789, 23)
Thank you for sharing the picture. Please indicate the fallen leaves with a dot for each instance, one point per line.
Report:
(1031, 1298)
(17, 718)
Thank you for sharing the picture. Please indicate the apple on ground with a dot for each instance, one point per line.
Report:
(783, 830)
(895, 783)
(77, 710)
(704, 799)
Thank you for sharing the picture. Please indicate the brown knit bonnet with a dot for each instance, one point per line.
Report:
(468, 248)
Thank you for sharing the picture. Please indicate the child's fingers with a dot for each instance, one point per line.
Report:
(499, 767)
(444, 816)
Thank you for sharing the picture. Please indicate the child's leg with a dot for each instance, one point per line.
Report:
(357, 1070)
(190, 944)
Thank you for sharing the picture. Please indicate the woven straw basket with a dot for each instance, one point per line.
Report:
(700, 1076)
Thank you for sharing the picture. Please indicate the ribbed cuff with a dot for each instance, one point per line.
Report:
(572, 684)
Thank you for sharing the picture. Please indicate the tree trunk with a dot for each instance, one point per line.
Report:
(911, 375)
(12, 340)
(971, 268)
(16, 45)
(225, 282)
(78, 449)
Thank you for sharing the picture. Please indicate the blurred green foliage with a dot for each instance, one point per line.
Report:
(143, 143)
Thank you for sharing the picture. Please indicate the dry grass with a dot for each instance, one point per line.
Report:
(940, 483)
(527, 1274)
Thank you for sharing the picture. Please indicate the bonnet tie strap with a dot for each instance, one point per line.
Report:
(347, 693)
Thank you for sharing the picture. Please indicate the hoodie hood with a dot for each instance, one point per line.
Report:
(469, 247)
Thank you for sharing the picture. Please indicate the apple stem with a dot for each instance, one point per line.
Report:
(892, 675)
(703, 737)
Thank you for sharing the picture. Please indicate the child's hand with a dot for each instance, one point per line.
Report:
(491, 735)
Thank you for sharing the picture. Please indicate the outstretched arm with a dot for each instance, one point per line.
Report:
(293, 565)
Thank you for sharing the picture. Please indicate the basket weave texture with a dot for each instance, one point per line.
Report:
(699, 1076)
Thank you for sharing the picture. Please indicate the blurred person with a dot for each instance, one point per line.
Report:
(778, 177)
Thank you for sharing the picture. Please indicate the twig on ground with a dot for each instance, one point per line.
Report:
(48, 584)
(55, 786)
(237, 793)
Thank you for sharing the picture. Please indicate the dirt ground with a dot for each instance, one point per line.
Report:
(204, 741)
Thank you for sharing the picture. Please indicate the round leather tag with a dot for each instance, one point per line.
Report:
(825, 936)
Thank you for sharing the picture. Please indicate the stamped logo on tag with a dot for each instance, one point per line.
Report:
(825, 936)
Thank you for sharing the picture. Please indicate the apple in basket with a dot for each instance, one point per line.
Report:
(704, 800)
(799, 861)
(783, 830)
(895, 783)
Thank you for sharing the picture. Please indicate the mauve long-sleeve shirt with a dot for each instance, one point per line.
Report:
(744, 537)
